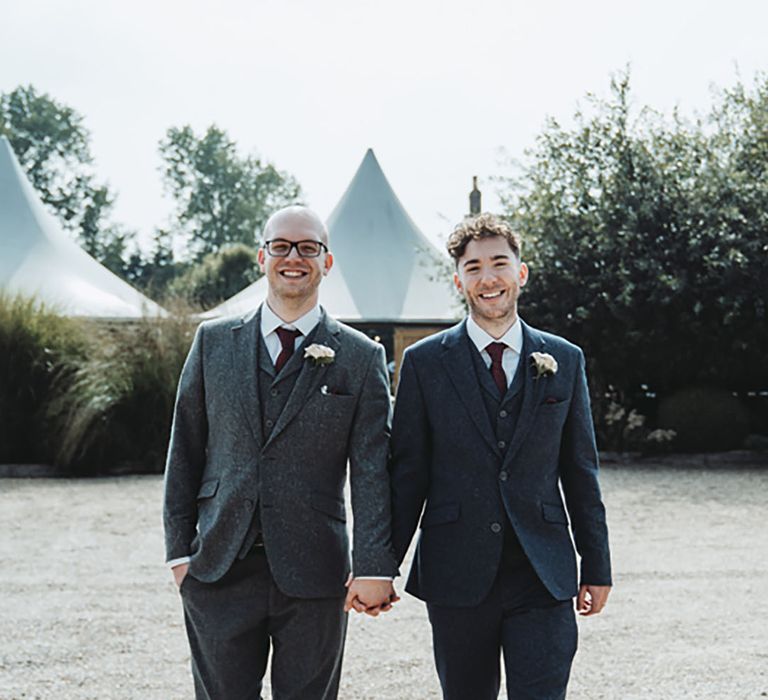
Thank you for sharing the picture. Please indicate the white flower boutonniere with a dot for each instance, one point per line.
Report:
(319, 354)
(544, 363)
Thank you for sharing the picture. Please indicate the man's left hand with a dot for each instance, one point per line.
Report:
(591, 599)
(370, 596)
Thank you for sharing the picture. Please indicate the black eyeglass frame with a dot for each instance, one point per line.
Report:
(295, 244)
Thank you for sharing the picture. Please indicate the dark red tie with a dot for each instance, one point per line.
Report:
(496, 350)
(288, 341)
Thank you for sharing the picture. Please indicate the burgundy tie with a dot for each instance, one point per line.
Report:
(288, 341)
(496, 350)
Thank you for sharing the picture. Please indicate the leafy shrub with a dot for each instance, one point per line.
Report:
(705, 419)
(757, 405)
(219, 276)
(39, 355)
(646, 238)
(624, 429)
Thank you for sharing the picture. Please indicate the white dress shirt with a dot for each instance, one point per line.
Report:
(513, 339)
(270, 322)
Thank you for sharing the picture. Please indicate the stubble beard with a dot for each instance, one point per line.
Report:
(293, 296)
(499, 316)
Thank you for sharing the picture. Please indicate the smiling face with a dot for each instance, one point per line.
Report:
(293, 280)
(490, 276)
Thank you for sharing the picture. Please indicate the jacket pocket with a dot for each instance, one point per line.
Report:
(440, 514)
(208, 489)
(553, 401)
(554, 513)
(329, 505)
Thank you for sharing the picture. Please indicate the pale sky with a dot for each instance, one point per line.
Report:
(436, 88)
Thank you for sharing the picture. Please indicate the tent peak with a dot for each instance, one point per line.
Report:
(385, 270)
(39, 259)
(370, 157)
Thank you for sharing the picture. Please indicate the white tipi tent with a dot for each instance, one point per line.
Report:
(385, 270)
(38, 258)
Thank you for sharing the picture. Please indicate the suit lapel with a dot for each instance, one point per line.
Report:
(245, 343)
(310, 374)
(533, 341)
(458, 363)
(266, 366)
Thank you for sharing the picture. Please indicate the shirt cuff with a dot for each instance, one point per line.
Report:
(373, 578)
(178, 562)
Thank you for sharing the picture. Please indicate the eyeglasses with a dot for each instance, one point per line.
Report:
(280, 248)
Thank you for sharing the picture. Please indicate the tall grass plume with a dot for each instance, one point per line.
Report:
(40, 353)
(116, 412)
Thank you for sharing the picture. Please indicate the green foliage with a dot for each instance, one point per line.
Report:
(53, 148)
(86, 396)
(647, 242)
(705, 419)
(218, 276)
(221, 197)
(51, 143)
(39, 354)
(154, 273)
(116, 411)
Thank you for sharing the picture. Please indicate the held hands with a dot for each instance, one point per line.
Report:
(591, 599)
(370, 596)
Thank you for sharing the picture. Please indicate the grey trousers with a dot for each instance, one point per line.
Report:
(232, 623)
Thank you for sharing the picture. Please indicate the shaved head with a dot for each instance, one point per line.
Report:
(295, 215)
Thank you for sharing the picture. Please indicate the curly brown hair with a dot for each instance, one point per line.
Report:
(481, 226)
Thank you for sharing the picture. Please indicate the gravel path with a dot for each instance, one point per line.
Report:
(87, 609)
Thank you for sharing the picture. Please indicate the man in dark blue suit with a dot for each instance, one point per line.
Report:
(492, 424)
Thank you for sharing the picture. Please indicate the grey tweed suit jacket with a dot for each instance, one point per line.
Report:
(220, 466)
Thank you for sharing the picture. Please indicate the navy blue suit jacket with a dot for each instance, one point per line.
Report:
(448, 472)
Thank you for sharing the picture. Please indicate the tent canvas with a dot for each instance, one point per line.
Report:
(38, 258)
(385, 270)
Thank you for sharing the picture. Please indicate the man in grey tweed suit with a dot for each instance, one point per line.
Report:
(271, 408)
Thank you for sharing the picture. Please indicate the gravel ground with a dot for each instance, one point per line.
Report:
(87, 609)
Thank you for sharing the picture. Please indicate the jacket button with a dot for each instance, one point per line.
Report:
(503, 475)
(503, 414)
(248, 503)
(269, 423)
(501, 444)
(495, 527)
(274, 392)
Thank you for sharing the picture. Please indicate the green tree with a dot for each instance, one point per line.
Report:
(218, 276)
(647, 240)
(154, 272)
(221, 197)
(53, 147)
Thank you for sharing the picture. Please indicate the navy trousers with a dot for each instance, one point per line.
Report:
(536, 634)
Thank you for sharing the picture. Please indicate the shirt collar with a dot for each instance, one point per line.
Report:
(513, 338)
(270, 321)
